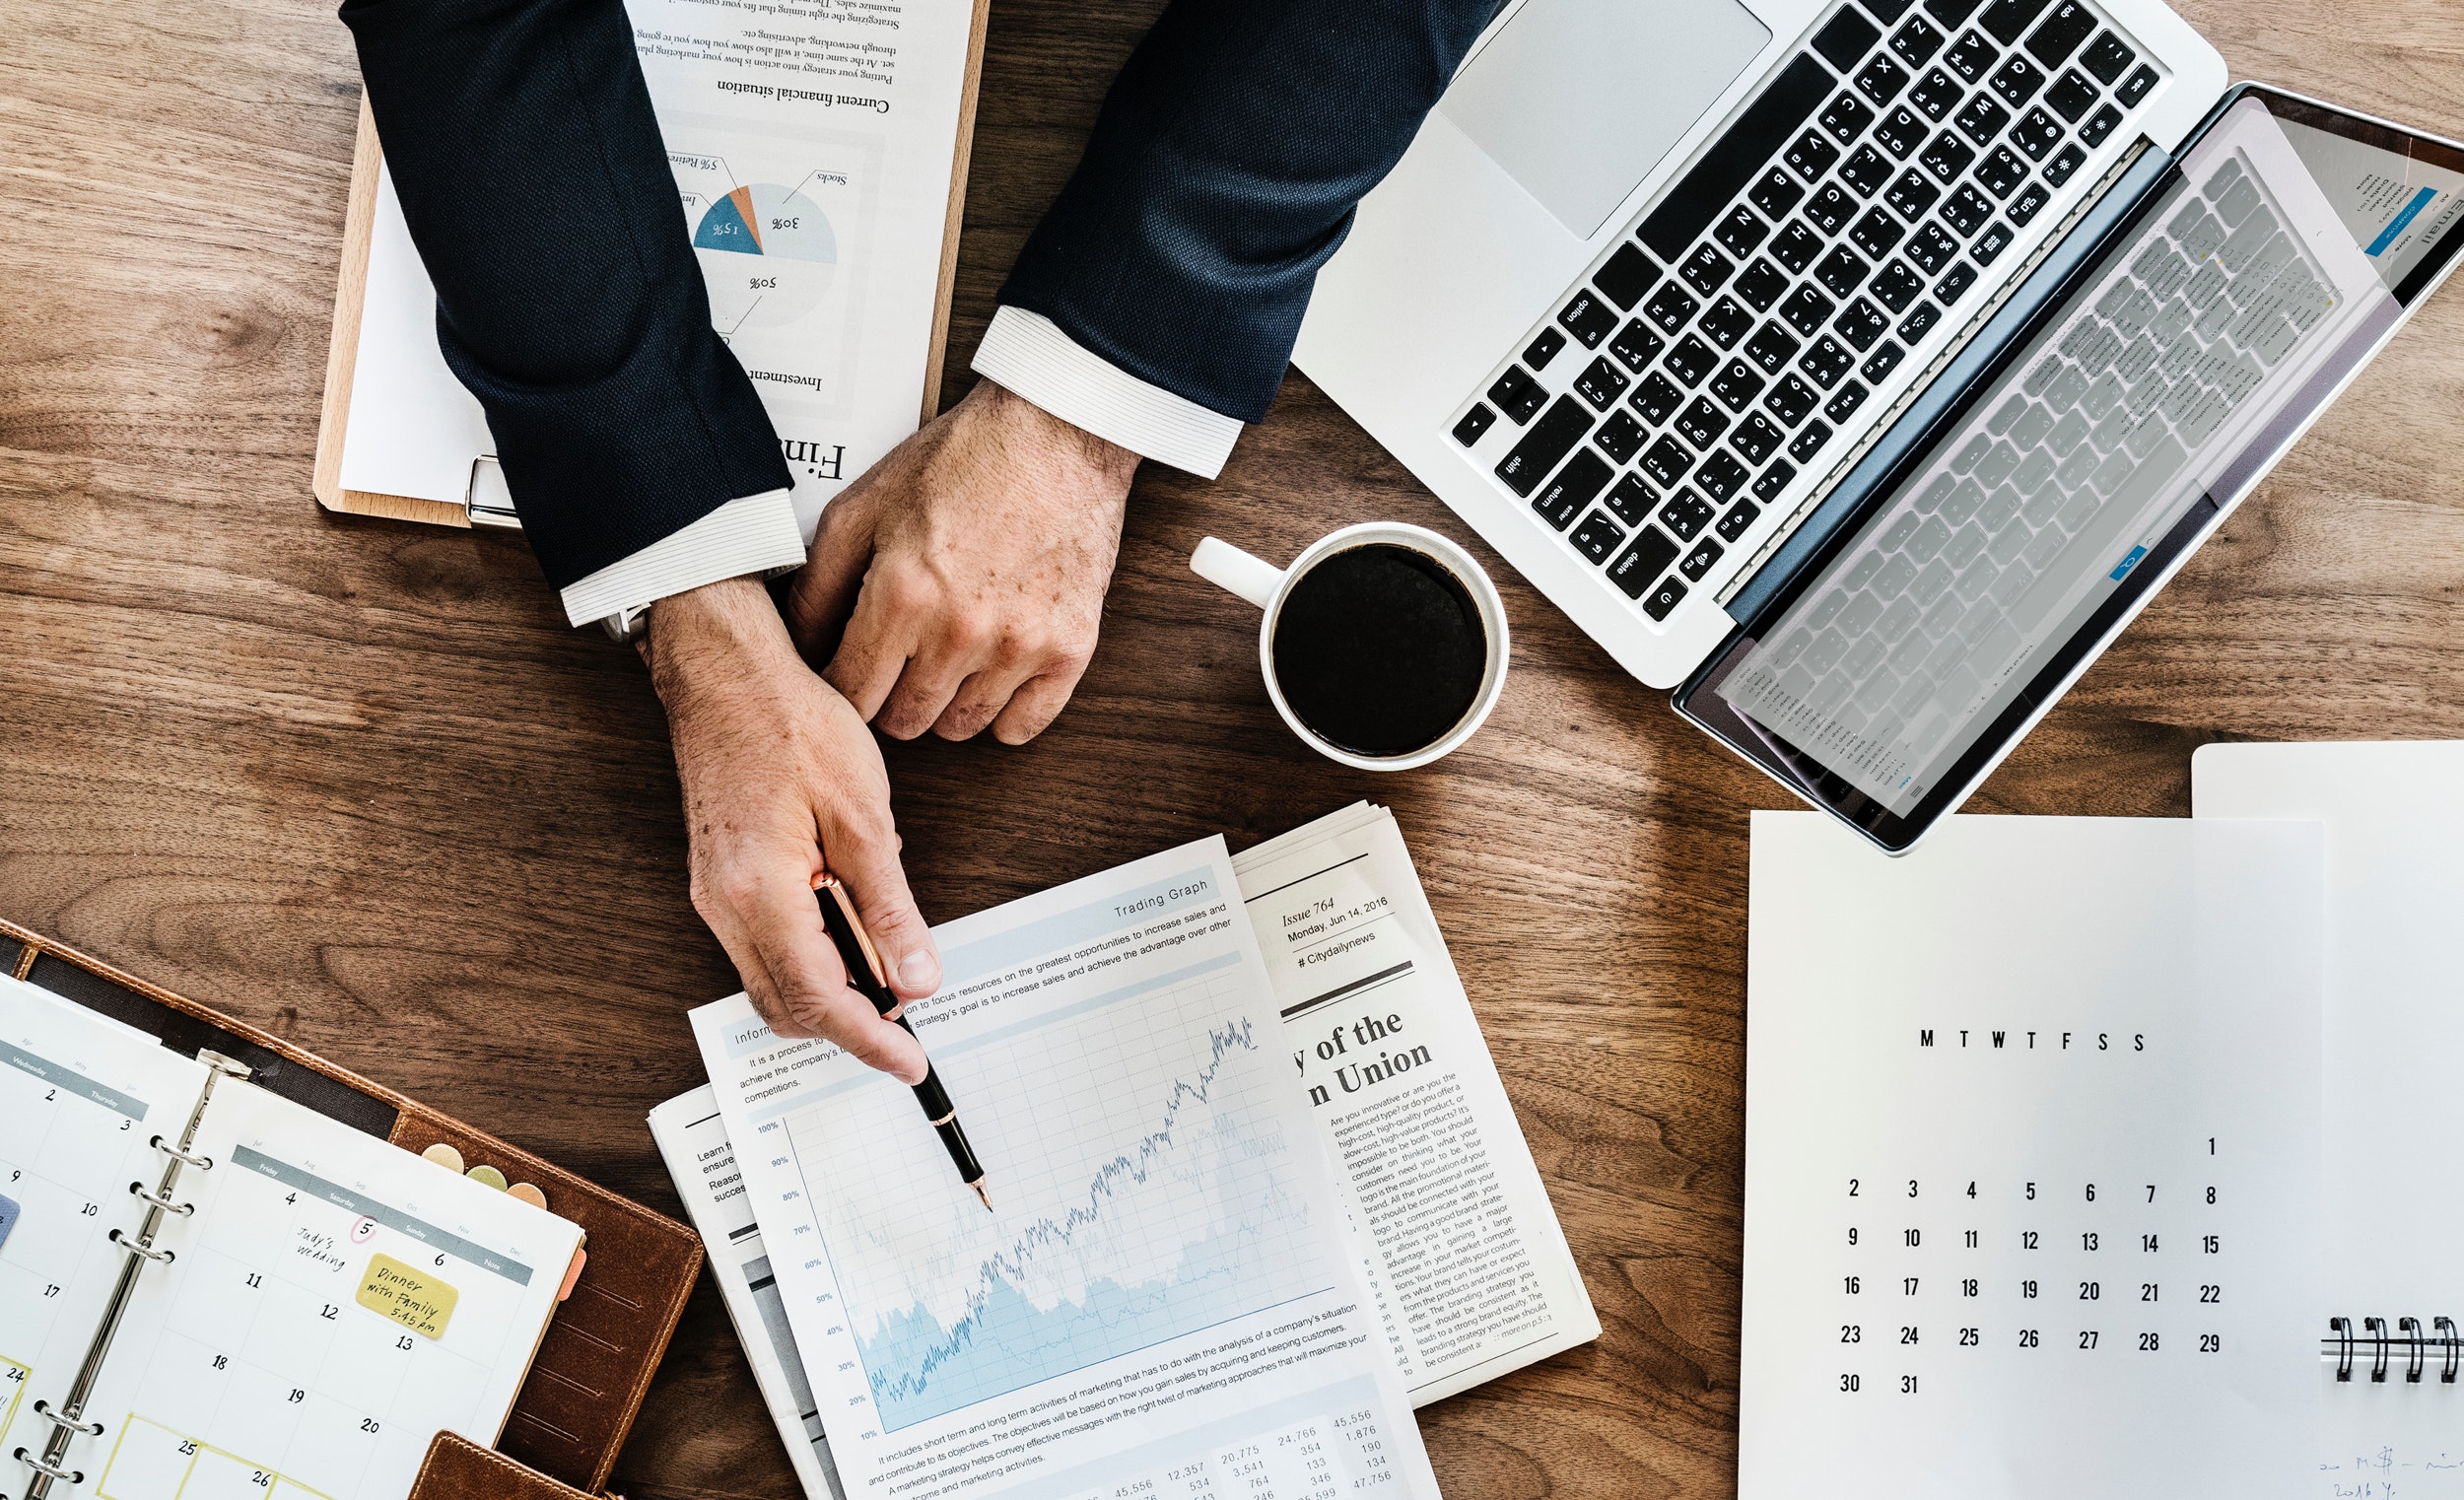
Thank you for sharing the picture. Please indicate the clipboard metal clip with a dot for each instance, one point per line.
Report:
(486, 501)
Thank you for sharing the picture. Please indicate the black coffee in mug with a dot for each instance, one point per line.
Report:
(1380, 650)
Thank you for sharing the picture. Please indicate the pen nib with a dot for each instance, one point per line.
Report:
(980, 1193)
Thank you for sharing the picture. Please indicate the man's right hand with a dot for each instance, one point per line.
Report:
(777, 769)
(959, 583)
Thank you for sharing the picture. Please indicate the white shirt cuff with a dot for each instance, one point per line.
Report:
(1027, 354)
(754, 534)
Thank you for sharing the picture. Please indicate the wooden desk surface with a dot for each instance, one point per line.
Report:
(355, 781)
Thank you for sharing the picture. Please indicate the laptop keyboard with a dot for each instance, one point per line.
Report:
(2046, 485)
(1818, 246)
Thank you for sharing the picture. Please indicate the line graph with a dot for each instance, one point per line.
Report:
(1142, 1186)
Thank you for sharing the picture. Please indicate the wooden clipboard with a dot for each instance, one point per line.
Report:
(359, 227)
(595, 1363)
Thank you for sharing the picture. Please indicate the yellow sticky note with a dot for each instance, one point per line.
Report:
(410, 1297)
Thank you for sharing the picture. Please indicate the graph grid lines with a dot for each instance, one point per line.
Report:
(1143, 1153)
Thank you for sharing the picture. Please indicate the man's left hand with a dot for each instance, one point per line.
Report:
(964, 574)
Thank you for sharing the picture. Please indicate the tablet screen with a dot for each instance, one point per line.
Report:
(2277, 254)
(2397, 204)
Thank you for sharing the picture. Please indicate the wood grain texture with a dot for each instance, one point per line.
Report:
(353, 780)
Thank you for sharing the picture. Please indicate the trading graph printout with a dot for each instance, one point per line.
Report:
(1160, 1292)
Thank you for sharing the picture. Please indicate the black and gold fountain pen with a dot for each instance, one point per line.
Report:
(866, 977)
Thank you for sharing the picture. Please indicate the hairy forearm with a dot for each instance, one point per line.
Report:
(722, 634)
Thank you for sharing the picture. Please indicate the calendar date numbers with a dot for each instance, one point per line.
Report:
(1957, 1245)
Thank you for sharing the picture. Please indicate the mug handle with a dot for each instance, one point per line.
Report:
(1228, 566)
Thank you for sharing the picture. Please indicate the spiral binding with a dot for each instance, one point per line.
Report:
(68, 1422)
(2341, 1344)
(46, 1471)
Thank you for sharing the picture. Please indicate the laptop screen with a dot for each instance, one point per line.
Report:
(2276, 256)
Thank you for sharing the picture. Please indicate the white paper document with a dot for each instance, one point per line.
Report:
(812, 148)
(1464, 1255)
(82, 1098)
(2032, 1153)
(693, 1140)
(1162, 1301)
(2393, 1220)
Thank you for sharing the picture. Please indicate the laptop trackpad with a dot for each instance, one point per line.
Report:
(1579, 100)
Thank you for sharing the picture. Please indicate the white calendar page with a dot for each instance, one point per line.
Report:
(2032, 1156)
(80, 1096)
(259, 1365)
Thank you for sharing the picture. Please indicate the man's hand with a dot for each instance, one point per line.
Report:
(968, 570)
(777, 770)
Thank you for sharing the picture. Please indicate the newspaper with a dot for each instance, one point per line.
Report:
(1464, 1255)
(1442, 1207)
(1154, 1298)
(694, 1143)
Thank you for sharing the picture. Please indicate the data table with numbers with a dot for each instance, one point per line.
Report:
(2033, 1127)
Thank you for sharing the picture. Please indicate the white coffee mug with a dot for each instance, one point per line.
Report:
(1266, 585)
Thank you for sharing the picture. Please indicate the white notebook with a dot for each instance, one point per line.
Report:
(313, 1308)
(2394, 1139)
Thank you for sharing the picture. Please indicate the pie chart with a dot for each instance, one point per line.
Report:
(765, 219)
(767, 255)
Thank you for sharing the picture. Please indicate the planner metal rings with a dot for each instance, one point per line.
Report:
(201, 1163)
(160, 1202)
(164, 1257)
(2343, 1330)
(91, 1429)
(64, 1475)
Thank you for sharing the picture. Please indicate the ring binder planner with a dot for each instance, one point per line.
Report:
(2340, 1343)
(323, 1260)
(67, 1423)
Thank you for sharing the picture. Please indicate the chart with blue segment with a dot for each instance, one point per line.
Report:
(1142, 1195)
(776, 232)
(766, 219)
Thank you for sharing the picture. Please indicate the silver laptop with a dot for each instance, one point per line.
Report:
(1860, 368)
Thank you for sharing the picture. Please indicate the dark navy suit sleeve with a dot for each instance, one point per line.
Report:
(521, 141)
(1224, 171)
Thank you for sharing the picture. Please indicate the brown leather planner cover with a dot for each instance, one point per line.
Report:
(457, 1468)
(605, 1341)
